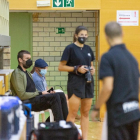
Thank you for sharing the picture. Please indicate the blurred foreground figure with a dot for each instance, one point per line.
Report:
(120, 75)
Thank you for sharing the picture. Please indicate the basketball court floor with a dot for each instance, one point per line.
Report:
(95, 130)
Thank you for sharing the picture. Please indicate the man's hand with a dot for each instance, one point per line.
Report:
(45, 92)
(94, 114)
(52, 91)
(92, 70)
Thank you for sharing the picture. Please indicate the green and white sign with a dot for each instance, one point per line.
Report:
(63, 3)
(60, 30)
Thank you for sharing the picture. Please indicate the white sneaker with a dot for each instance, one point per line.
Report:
(80, 131)
(78, 126)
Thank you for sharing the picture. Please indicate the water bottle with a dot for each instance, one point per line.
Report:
(16, 108)
(6, 118)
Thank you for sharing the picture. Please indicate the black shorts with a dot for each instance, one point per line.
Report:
(78, 85)
(124, 132)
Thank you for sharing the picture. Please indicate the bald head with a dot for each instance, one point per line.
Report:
(113, 30)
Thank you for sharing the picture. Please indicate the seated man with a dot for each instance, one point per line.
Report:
(22, 85)
(38, 73)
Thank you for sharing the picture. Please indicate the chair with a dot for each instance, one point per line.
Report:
(36, 116)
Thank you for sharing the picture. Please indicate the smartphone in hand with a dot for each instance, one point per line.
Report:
(51, 89)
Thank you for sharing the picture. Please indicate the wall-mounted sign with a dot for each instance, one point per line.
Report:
(63, 3)
(43, 3)
(60, 30)
(128, 17)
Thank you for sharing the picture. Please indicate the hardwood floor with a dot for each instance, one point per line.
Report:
(139, 132)
(95, 130)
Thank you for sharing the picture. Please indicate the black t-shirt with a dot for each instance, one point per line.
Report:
(77, 84)
(122, 105)
(75, 55)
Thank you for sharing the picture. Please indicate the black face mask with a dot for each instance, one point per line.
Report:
(82, 40)
(28, 64)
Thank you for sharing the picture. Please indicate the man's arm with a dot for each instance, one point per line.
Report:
(139, 84)
(19, 86)
(39, 86)
(139, 92)
(104, 95)
(106, 91)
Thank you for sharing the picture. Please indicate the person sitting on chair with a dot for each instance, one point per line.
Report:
(22, 85)
(38, 73)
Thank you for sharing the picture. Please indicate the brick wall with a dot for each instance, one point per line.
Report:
(49, 46)
(4, 30)
(5, 58)
(1, 59)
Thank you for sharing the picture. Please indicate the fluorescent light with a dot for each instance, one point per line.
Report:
(43, 3)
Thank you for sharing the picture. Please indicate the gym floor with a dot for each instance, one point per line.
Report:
(95, 130)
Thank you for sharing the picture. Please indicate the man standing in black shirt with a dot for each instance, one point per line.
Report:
(120, 75)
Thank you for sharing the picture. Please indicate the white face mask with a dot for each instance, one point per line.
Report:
(43, 72)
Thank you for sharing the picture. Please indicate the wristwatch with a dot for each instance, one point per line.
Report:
(76, 70)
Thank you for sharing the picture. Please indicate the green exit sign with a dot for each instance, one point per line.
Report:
(60, 30)
(63, 3)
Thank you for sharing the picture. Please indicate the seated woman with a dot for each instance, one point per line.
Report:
(38, 73)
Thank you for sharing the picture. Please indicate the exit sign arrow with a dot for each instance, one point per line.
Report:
(58, 3)
(60, 30)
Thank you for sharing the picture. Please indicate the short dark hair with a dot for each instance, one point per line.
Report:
(113, 29)
(78, 30)
(21, 53)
